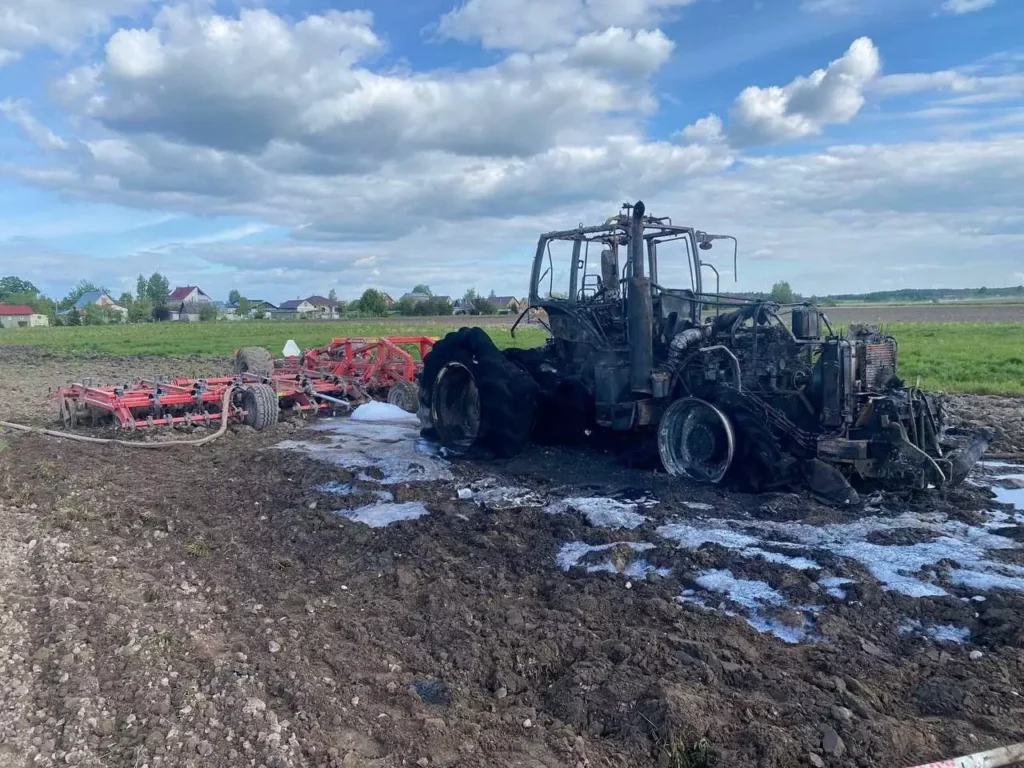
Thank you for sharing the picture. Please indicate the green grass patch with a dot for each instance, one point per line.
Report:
(975, 358)
(978, 358)
(223, 338)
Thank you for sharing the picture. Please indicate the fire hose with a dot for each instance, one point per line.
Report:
(224, 405)
(993, 758)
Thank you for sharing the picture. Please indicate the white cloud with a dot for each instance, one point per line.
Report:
(300, 97)
(57, 24)
(966, 6)
(803, 108)
(706, 130)
(963, 87)
(17, 113)
(808, 104)
(388, 175)
(533, 25)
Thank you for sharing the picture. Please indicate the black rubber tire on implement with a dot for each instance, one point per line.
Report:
(507, 395)
(404, 394)
(261, 406)
(255, 361)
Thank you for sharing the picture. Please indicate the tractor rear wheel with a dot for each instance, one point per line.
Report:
(475, 398)
(255, 361)
(261, 406)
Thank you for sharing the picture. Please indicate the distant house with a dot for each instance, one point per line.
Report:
(324, 308)
(255, 305)
(99, 299)
(507, 304)
(463, 307)
(188, 294)
(416, 296)
(293, 308)
(21, 316)
(227, 309)
(388, 300)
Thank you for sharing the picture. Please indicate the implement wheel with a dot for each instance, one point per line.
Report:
(261, 406)
(696, 440)
(475, 398)
(405, 395)
(68, 413)
(255, 361)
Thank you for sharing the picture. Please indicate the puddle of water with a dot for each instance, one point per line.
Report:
(1006, 481)
(600, 512)
(756, 599)
(899, 568)
(571, 555)
(940, 633)
(395, 450)
(383, 514)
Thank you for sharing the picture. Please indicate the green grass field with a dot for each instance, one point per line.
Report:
(223, 338)
(980, 358)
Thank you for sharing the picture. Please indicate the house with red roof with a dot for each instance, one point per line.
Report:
(188, 294)
(21, 316)
(185, 302)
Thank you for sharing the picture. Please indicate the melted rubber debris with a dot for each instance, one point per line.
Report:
(384, 514)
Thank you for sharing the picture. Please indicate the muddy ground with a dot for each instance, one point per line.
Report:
(196, 607)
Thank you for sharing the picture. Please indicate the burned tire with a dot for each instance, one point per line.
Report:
(261, 406)
(473, 340)
(255, 361)
(477, 399)
(565, 408)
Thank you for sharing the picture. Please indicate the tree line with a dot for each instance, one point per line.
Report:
(150, 302)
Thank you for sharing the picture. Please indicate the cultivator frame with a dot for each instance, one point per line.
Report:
(373, 363)
(340, 375)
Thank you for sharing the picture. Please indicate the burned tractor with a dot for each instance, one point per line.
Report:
(753, 392)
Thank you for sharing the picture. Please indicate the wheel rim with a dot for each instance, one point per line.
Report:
(455, 409)
(696, 440)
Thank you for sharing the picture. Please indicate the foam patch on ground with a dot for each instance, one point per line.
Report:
(384, 514)
(758, 604)
(383, 412)
(395, 450)
(909, 569)
(600, 512)
(620, 557)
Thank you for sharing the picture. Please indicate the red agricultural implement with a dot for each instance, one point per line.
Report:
(342, 374)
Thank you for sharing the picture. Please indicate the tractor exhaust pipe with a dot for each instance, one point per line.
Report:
(639, 309)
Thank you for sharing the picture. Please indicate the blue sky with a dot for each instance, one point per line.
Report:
(286, 147)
